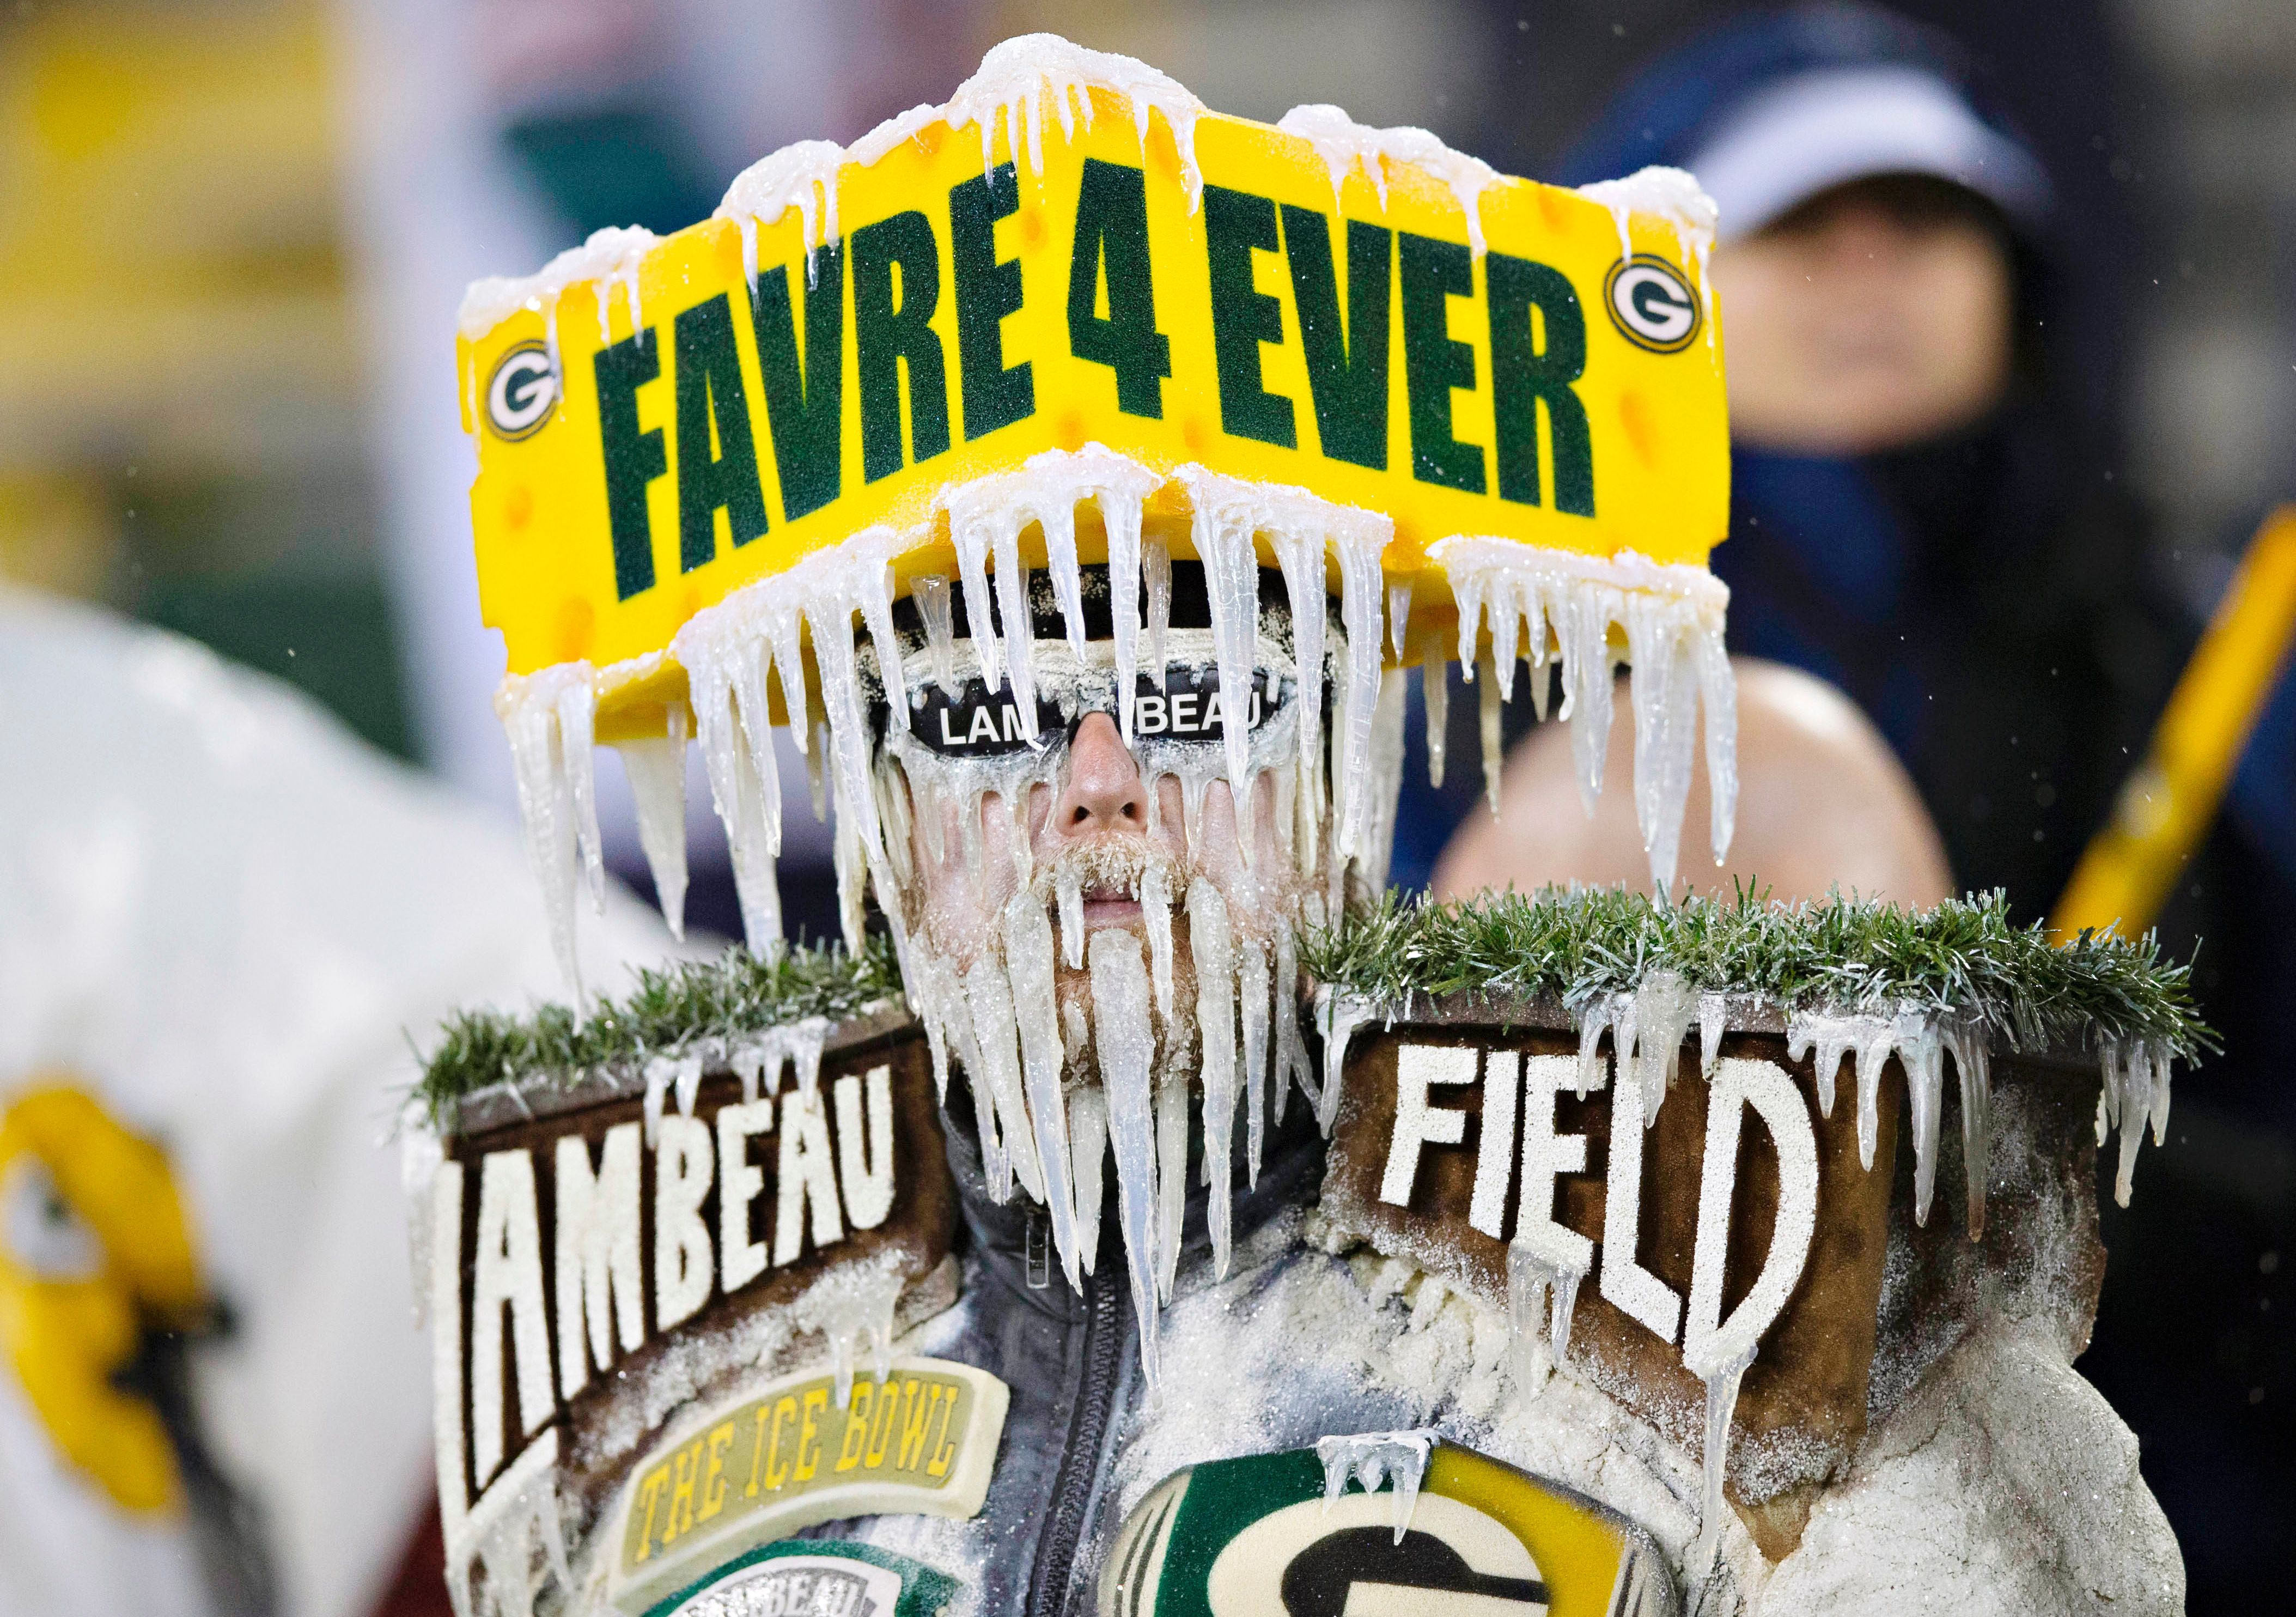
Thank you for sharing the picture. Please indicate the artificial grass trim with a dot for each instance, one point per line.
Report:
(1964, 957)
(1839, 954)
(669, 1010)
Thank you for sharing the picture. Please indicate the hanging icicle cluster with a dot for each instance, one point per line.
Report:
(791, 644)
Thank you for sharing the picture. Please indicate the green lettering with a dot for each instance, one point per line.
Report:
(710, 400)
(1434, 363)
(633, 459)
(805, 395)
(1111, 235)
(1235, 223)
(1525, 376)
(891, 326)
(987, 290)
(1346, 363)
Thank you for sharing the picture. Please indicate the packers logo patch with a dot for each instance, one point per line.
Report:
(1256, 1538)
(827, 1578)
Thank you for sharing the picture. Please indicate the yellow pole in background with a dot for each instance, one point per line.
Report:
(2165, 808)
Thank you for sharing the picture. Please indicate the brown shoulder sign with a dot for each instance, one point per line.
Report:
(584, 1253)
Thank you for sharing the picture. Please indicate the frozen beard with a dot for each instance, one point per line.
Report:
(1096, 935)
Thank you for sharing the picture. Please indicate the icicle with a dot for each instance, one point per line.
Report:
(1361, 541)
(1372, 1459)
(1921, 1051)
(1399, 617)
(1029, 964)
(1969, 1042)
(1340, 1018)
(1435, 690)
(817, 772)
(1663, 661)
(1657, 1022)
(1068, 891)
(1089, 1134)
(1530, 1282)
(1252, 1002)
(1566, 1301)
(1871, 1060)
(1156, 569)
(1222, 535)
(852, 1302)
(935, 610)
(1494, 754)
(1301, 558)
(1292, 1065)
(2135, 1091)
(656, 767)
(1673, 617)
(1833, 1037)
(1171, 1174)
(1211, 944)
(995, 1031)
(1598, 1015)
(1126, 1045)
(1717, 694)
(1156, 912)
(547, 718)
(1721, 1404)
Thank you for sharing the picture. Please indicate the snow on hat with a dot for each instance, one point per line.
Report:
(1770, 111)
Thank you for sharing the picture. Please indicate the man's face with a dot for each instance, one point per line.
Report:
(1091, 817)
(1873, 316)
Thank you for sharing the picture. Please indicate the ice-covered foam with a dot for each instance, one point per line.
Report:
(1671, 618)
(802, 176)
(1344, 144)
(853, 1303)
(1674, 197)
(1017, 77)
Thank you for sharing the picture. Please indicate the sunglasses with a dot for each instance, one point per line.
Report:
(1186, 709)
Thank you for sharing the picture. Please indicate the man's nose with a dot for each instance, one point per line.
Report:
(1104, 791)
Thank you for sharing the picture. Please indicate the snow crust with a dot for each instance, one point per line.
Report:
(1019, 75)
(1675, 197)
(1344, 143)
(611, 256)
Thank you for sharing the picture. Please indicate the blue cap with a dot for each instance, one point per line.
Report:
(1769, 110)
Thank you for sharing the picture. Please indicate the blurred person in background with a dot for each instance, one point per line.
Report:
(1925, 512)
(1919, 515)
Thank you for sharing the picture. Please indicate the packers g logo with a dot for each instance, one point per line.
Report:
(1651, 304)
(1255, 1537)
(522, 392)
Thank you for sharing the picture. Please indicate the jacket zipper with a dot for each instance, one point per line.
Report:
(1079, 1469)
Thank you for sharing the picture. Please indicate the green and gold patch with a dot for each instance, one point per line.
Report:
(1257, 1537)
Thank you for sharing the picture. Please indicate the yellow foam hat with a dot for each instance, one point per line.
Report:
(1069, 316)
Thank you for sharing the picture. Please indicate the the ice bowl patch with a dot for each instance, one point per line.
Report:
(826, 1578)
(786, 1456)
(1256, 1538)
